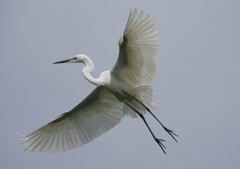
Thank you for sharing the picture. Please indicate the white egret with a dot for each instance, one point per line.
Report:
(124, 90)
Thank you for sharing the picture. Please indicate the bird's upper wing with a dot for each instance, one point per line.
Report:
(96, 114)
(136, 64)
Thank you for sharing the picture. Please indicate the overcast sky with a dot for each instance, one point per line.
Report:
(196, 87)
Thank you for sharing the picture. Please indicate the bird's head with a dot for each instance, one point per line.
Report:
(76, 59)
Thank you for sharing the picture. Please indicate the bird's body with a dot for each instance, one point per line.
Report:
(124, 90)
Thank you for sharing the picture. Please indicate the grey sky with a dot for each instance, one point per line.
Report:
(196, 87)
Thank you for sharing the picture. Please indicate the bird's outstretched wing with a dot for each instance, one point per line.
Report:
(136, 64)
(95, 115)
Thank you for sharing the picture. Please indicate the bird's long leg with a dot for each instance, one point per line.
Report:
(170, 132)
(159, 141)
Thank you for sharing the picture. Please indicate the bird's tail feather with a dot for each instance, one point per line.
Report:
(142, 98)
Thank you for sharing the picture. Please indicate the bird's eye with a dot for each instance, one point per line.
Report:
(75, 58)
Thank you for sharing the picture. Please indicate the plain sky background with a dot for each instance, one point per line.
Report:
(196, 87)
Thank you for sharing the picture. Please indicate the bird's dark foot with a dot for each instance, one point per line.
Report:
(171, 133)
(159, 141)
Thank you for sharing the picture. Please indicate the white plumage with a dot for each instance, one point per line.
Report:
(125, 90)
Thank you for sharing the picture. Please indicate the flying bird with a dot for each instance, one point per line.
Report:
(124, 90)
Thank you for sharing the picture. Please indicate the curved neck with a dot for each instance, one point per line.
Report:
(87, 71)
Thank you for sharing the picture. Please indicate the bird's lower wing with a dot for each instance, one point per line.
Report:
(95, 115)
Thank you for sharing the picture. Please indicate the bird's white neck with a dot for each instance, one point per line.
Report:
(87, 71)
